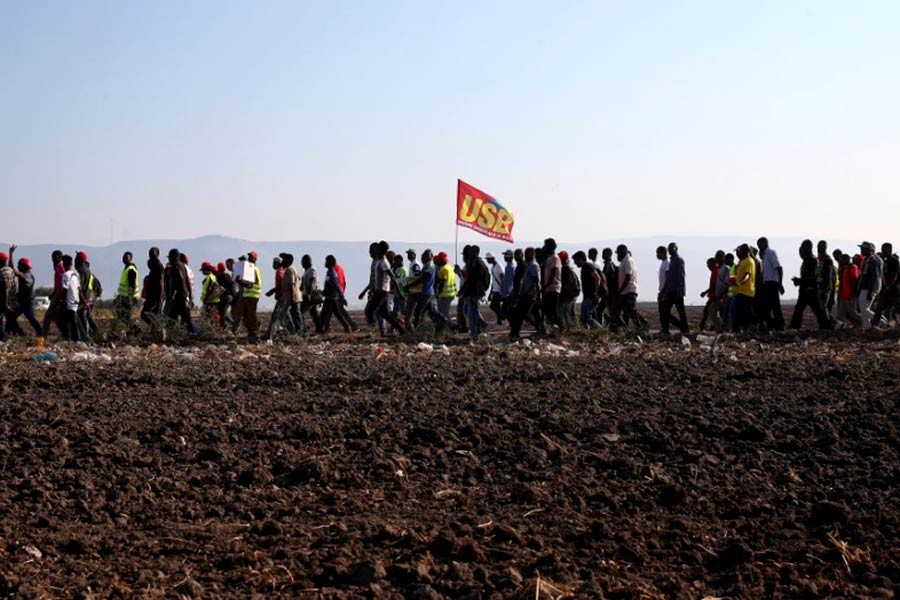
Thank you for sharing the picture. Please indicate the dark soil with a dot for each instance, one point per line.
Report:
(647, 471)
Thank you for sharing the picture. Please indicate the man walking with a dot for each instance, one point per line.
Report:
(154, 290)
(251, 280)
(673, 293)
(178, 294)
(590, 290)
(528, 296)
(128, 293)
(771, 315)
(552, 283)
(495, 298)
(625, 307)
(743, 284)
(808, 292)
(71, 286)
(870, 280)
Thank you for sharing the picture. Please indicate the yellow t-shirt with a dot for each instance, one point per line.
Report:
(745, 267)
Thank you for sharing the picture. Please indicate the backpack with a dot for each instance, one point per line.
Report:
(9, 286)
(571, 287)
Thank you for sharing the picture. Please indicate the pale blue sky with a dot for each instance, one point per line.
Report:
(352, 120)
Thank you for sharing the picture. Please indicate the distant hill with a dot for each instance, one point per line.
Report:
(106, 261)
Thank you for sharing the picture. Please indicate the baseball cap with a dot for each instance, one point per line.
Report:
(563, 256)
(207, 265)
(410, 250)
(82, 256)
(508, 253)
(221, 268)
(25, 262)
(489, 255)
(869, 245)
(253, 255)
(4, 256)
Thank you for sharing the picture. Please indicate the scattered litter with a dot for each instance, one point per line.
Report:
(615, 349)
(685, 341)
(425, 348)
(90, 357)
(184, 356)
(49, 357)
(33, 552)
(399, 473)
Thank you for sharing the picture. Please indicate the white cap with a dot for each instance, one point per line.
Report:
(489, 255)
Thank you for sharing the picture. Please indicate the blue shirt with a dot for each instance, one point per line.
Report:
(428, 274)
(509, 277)
(531, 281)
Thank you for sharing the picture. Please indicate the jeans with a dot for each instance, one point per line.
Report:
(666, 302)
(178, 308)
(377, 310)
(333, 306)
(742, 307)
(28, 310)
(496, 303)
(427, 304)
(74, 326)
(444, 305)
(520, 313)
(865, 312)
(313, 310)
(814, 301)
(551, 308)
(473, 316)
(770, 306)
(625, 310)
(847, 312)
(588, 311)
(277, 321)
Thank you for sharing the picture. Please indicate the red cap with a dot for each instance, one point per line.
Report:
(24, 262)
(221, 268)
(82, 256)
(564, 256)
(253, 255)
(4, 256)
(442, 257)
(205, 266)
(187, 261)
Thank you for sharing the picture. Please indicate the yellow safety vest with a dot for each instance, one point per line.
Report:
(204, 287)
(124, 291)
(255, 290)
(447, 275)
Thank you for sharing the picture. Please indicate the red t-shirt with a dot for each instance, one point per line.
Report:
(713, 281)
(849, 279)
(279, 275)
(58, 271)
(342, 279)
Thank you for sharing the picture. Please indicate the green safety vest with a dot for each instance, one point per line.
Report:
(123, 290)
(255, 290)
(448, 276)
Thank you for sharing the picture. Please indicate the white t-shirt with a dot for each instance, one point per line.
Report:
(627, 267)
(496, 278)
(663, 270)
(382, 279)
(72, 284)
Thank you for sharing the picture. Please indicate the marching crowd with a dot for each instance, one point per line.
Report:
(540, 286)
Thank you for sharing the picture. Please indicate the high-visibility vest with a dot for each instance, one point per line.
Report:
(254, 290)
(204, 287)
(732, 289)
(124, 291)
(447, 275)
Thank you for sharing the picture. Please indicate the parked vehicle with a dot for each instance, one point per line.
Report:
(40, 303)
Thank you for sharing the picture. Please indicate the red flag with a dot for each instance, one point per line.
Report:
(483, 213)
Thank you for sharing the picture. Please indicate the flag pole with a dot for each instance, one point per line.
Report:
(456, 222)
